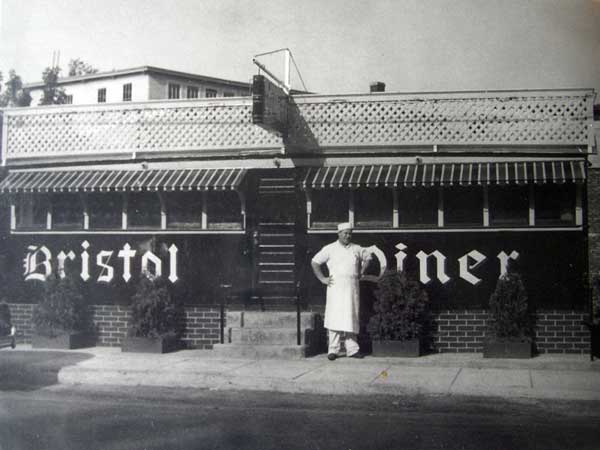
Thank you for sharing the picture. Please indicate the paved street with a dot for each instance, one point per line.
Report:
(108, 418)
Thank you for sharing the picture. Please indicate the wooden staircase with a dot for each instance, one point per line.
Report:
(276, 262)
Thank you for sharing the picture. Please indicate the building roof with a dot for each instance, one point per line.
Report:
(140, 70)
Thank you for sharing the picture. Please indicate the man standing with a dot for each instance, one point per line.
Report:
(346, 263)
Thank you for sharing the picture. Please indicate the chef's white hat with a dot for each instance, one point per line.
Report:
(344, 226)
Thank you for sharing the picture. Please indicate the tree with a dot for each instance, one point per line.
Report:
(52, 93)
(78, 67)
(14, 95)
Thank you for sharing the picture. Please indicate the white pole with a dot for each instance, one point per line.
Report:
(286, 76)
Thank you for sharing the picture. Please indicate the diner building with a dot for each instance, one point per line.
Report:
(229, 199)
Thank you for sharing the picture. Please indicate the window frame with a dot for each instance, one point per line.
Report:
(173, 91)
(192, 90)
(101, 95)
(127, 92)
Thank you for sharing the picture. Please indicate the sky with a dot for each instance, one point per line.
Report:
(339, 46)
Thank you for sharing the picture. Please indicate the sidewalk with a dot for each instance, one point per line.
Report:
(566, 377)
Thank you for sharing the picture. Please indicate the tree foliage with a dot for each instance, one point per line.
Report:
(509, 310)
(401, 308)
(78, 67)
(154, 311)
(13, 95)
(52, 94)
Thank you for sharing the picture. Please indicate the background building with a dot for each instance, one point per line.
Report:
(140, 84)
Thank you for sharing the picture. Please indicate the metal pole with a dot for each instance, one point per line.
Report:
(224, 288)
(286, 76)
(298, 328)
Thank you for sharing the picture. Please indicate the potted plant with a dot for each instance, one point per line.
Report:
(62, 319)
(401, 316)
(7, 330)
(155, 322)
(510, 325)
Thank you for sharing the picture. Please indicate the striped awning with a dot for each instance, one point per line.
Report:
(445, 174)
(122, 180)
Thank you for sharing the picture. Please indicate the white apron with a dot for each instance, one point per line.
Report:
(344, 264)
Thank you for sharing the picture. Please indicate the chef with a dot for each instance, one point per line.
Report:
(346, 263)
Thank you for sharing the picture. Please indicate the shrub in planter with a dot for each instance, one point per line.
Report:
(510, 325)
(62, 319)
(156, 318)
(401, 316)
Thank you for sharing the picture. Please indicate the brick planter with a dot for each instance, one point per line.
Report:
(400, 349)
(65, 341)
(150, 345)
(507, 349)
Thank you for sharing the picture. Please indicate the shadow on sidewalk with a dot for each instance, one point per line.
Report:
(30, 370)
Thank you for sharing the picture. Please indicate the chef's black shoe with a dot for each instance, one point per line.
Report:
(331, 357)
(357, 355)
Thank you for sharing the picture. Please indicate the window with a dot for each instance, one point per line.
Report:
(463, 206)
(417, 207)
(127, 92)
(210, 93)
(67, 211)
(68, 99)
(102, 95)
(555, 204)
(329, 207)
(373, 208)
(224, 210)
(228, 94)
(143, 210)
(192, 92)
(173, 91)
(105, 210)
(32, 211)
(184, 210)
(509, 205)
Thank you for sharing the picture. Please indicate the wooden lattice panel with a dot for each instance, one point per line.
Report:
(488, 120)
(122, 128)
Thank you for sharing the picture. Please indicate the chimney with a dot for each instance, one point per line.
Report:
(377, 86)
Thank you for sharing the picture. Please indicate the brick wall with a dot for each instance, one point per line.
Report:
(202, 328)
(20, 315)
(556, 332)
(110, 322)
(457, 331)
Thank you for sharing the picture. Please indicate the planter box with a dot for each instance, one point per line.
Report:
(150, 345)
(66, 341)
(507, 349)
(402, 349)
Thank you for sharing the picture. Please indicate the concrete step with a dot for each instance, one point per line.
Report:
(261, 351)
(271, 319)
(268, 336)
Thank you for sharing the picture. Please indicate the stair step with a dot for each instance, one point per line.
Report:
(268, 336)
(276, 245)
(270, 319)
(277, 264)
(261, 351)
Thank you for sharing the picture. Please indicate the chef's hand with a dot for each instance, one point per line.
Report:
(327, 281)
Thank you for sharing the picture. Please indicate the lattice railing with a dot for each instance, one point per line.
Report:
(154, 128)
(504, 118)
(391, 121)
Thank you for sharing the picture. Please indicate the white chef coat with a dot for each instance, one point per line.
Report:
(344, 264)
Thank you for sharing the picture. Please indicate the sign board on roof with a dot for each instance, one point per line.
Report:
(269, 105)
